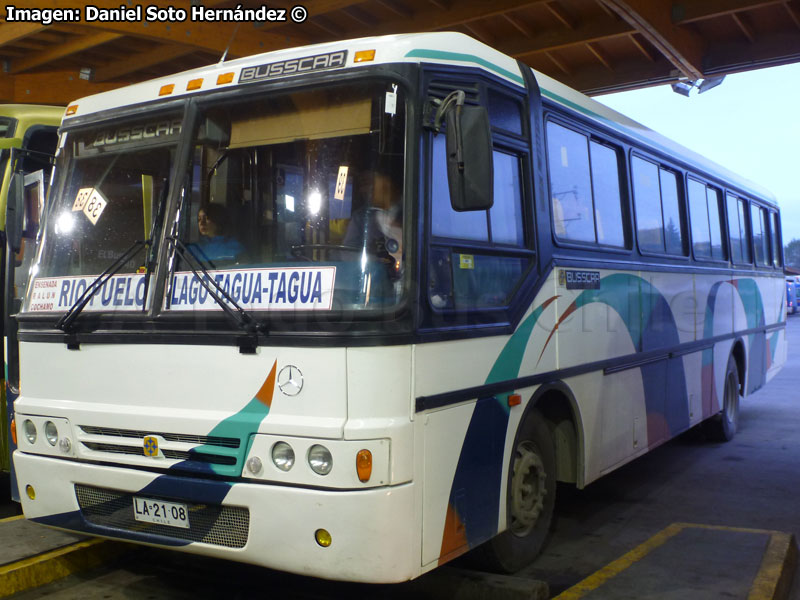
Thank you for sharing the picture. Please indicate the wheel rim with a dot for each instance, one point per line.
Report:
(528, 489)
(731, 408)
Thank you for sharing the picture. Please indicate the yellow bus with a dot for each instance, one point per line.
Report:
(28, 137)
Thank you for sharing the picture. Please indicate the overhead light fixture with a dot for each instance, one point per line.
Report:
(709, 83)
(683, 87)
(86, 73)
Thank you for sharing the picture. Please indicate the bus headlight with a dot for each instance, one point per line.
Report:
(283, 456)
(51, 433)
(320, 459)
(30, 431)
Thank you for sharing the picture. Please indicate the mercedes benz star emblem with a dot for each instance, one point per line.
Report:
(290, 380)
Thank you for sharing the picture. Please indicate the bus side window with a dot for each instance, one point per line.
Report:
(775, 236)
(706, 226)
(659, 225)
(737, 230)
(570, 184)
(760, 241)
(446, 222)
(477, 258)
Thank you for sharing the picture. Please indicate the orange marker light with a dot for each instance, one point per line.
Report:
(14, 431)
(194, 84)
(166, 90)
(364, 56)
(514, 399)
(224, 78)
(71, 110)
(364, 465)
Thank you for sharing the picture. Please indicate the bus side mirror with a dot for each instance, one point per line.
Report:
(470, 171)
(15, 211)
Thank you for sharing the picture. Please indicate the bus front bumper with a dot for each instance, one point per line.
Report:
(372, 537)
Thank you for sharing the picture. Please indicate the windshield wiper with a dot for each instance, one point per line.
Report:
(231, 308)
(66, 321)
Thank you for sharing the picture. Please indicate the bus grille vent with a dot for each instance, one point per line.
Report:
(213, 459)
(226, 526)
(440, 90)
(170, 437)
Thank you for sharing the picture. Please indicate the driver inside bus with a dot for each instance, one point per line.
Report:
(377, 223)
(215, 245)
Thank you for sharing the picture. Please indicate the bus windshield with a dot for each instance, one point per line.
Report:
(109, 181)
(295, 203)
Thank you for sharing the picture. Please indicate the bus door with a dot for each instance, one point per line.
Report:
(19, 253)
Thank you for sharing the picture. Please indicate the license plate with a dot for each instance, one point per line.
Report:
(149, 510)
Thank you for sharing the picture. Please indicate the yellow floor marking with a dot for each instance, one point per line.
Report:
(48, 567)
(14, 518)
(773, 580)
(615, 568)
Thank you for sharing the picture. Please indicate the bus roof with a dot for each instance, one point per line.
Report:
(28, 115)
(447, 48)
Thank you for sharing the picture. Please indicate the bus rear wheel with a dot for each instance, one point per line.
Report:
(531, 493)
(722, 426)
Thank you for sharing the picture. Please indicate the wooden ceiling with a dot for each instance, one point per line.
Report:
(596, 46)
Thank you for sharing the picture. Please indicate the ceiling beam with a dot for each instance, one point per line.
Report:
(653, 20)
(11, 32)
(462, 12)
(139, 61)
(48, 88)
(690, 11)
(57, 52)
(554, 40)
(594, 81)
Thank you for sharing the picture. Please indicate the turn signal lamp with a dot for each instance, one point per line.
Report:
(31, 492)
(71, 110)
(364, 465)
(194, 84)
(364, 56)
(224, 78)
(14, 431)
(514, 399)
(166, 90)
(322, 536)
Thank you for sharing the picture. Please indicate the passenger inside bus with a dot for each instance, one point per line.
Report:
(215, 245)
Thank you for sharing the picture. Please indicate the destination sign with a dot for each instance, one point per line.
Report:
(58, 294)
(301, 288)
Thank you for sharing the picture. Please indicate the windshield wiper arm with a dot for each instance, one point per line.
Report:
(66, 321)
(231, 308)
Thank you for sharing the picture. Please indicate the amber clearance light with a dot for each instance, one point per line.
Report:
(364, 465)
(364, 56)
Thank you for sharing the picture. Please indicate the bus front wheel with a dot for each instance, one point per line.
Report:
(722, 426)
(531, 493)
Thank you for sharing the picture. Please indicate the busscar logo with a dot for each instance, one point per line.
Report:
(294, 66)
(146, 131)
(579, 280)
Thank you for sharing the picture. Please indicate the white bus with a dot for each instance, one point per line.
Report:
(276, 317)
(28, 137)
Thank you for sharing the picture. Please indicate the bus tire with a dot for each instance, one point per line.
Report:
(531, 494)
(722, 426)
